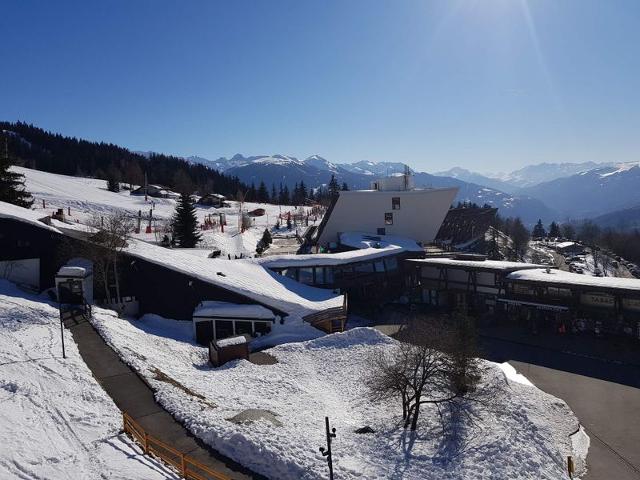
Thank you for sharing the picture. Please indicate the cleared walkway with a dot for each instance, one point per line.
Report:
(132, 395)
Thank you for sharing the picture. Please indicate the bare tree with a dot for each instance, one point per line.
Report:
(435, 363)
(107, 238)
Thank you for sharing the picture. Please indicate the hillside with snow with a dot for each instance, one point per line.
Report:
(87, 197)
(57, 422)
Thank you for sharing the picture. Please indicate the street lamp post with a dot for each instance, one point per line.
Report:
(62, 330)
(331, 433)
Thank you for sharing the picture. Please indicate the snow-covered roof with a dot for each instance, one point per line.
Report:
(363, 240)
(228, 342)
(21, 214)
(497, 265)
(232, 310)
(326, 259)
(565, 244)
(568, 278)
(244, 277)
(369, 247)
(69, 271)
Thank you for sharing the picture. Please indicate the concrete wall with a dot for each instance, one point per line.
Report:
(420, 215)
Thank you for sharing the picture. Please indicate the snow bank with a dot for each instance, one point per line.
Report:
(57, 422)
(512, 375)
(524, 435)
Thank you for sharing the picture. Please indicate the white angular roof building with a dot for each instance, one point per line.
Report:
(392, 207)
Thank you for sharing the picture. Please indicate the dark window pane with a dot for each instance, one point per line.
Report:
(391, 263)
(395, 203)
(388, 218)
(243, 327)
(224, 329)
(366, 267)
(305, 275)
(262, 327)
(328, 275)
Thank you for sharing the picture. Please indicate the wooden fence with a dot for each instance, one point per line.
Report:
(185, 465)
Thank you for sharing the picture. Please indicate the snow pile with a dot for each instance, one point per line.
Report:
(57, 422)
(512, 375)
(524, 435)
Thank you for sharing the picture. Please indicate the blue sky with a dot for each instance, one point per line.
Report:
(490, 85)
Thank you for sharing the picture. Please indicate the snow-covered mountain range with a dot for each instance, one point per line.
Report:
(315, 171)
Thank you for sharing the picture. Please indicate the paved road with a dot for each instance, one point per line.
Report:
(605, 396)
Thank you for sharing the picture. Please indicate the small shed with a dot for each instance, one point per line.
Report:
(74, 283)
(212, 200)
(213, 320)
(569, 248)
(227, 349)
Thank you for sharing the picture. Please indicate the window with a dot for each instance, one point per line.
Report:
(382, 231)
(262, 328)
(244, 327)
(395, 203)
(365, 267)
(305, 275)
(391, 264)
(388, 218)
(379, 264)
(224, 329)
(328, 275)
(291, 273)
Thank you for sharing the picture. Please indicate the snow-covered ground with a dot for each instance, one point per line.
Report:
(525, 435)
(56, 422)
(87, 197)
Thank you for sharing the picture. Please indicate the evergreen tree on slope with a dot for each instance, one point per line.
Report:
(12, 184)
(185, 223)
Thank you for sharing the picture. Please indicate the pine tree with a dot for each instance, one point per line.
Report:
(285, 196)
(12, 184)
(185, 223)
(333, 186)
(554, 230)
(274, 195)
(251, 195)
(538, 230)
(302, 192)
(263, 193)
(113, 180)
(295, 197)
(345, 187)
